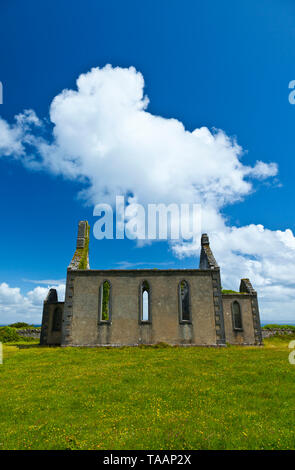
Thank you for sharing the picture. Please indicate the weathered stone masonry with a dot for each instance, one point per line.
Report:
(149, 306)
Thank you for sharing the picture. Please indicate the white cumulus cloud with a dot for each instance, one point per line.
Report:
(15, 306)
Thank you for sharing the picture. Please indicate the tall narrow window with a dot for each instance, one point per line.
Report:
(237, 316)
(184, 303)
(145, 302)
(105, 301)
(57, 319)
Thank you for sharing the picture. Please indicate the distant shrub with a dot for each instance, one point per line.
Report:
(161, 345)
(8, 334)
(278, 327)
(19, 325)
(154, 346)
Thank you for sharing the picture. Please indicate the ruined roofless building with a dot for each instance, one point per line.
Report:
(119, 307)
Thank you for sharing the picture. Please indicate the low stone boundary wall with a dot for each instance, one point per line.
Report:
(33, 333)
(29, 333)
(276, 331)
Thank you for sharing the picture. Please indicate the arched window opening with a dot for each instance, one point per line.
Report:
(237, 316)
(184, 301)
(145, 302)
(57, 319)
(105, 297)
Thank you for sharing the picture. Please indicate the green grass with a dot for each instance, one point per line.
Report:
(147, 397)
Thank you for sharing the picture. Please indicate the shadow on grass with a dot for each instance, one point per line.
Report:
(25, 345)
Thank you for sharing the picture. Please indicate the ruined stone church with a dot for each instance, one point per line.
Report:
(119, 307)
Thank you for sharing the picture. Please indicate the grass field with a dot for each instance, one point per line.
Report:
(147, 398)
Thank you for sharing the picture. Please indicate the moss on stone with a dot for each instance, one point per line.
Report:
(83, 264)
(229, 291)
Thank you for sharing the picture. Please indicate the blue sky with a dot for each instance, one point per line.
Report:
(224, 65)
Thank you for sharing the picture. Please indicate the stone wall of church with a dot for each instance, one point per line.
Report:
(125, 326)
(245, 335)
(51, 329)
